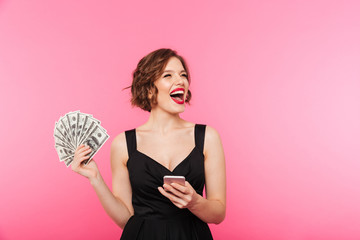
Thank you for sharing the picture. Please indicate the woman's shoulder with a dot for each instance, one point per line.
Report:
(119, 147)
(212, 136)
(210, 131)
(212, 143)
(120, 139)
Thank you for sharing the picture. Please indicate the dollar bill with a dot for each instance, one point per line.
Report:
(80, 128)
(62, 135)
(68, 161)
(64, 153)
(95, 140)
(89, 125)
(61, 143)
(72, 118)
(65, 128)
(76, 128)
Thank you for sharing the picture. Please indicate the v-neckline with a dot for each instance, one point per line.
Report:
(156, 162)
(153, 160)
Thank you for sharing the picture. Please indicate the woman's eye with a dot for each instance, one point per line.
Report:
(167, 75)
(184, 75)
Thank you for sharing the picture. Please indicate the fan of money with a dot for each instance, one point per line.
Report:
(76, 128)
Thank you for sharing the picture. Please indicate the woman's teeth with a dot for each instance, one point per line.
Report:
(179, 95)
(178, 92)
(178, 98)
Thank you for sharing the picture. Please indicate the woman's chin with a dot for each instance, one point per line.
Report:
(174, 111)
(177, 110)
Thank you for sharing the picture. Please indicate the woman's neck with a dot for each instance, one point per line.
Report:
(163, 122)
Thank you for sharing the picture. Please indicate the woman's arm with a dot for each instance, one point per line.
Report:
(212, 208)
(117, 204)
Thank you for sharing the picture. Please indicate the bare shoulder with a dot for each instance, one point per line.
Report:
(211, 134)
(212, 140)
(119, 149)
(119, 141)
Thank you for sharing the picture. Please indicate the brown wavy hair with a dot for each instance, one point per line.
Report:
(148, 70)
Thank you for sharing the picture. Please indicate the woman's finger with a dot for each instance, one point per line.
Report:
(83, 159)
(167, 194)
(80, 147)
(85, 152)
(174, 199)
(181, 188)
(83, 149)
(82, 152)
(174, 191)
(79, 158)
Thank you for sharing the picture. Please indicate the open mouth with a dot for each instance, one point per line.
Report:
(177, 95)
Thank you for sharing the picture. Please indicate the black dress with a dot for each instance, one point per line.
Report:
(155, 216)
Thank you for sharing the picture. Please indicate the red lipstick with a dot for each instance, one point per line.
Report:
(178, 95)
(177, 89)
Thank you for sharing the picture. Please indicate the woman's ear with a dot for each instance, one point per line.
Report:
(150, 94)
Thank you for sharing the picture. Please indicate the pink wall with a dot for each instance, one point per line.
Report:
(279, 80)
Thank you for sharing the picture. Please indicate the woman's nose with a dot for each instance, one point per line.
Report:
(179, 80)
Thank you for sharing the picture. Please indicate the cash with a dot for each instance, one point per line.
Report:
(76, 128)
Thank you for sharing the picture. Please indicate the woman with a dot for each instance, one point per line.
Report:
(166, 144)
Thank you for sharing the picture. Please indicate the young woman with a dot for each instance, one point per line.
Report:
(166, 144)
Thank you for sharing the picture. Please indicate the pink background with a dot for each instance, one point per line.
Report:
(279, 80)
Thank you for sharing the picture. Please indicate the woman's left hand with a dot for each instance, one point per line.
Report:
(181, 196)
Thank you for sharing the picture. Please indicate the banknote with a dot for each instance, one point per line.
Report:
(73, 123)
(96, 140)
(76, 128)
(61, 135)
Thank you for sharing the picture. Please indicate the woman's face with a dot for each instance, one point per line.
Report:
(172, 87)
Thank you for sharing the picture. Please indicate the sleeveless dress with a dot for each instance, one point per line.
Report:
(155, 216)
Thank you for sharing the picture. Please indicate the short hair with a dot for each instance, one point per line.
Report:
(148, 70)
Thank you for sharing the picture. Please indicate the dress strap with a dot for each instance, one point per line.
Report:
(200, 136)
(130, 141)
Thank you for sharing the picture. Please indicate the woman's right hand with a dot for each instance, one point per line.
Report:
(81, 154)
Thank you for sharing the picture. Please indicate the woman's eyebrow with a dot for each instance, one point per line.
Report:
(174, 71)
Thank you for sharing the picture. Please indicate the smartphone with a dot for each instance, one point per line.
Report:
(168, 179)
